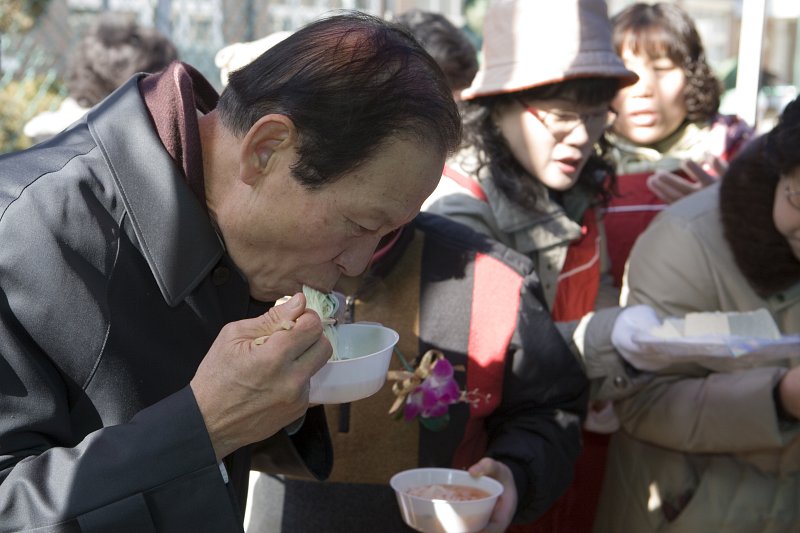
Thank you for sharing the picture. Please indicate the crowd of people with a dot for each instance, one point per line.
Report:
(578, 186)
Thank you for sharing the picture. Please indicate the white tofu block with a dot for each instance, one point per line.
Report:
(756, 324)
(698, 324)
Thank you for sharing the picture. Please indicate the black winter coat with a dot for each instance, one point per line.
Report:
(113, 285)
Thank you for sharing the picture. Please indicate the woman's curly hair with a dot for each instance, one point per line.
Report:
(482, 133)
(664, 29)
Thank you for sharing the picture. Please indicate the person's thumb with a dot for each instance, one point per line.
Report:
(278, 318)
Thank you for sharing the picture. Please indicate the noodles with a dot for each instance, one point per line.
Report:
(325, 305)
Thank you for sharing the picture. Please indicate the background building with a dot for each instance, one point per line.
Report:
(36, 36)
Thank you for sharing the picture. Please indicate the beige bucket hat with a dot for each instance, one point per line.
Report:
(528, 43)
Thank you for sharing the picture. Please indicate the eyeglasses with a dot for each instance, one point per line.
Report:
(561, 123)
(793, 196)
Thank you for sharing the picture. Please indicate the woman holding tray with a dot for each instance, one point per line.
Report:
(703, 450)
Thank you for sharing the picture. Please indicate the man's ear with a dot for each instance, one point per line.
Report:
(271, 135)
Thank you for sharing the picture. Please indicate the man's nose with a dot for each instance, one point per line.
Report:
(355, 258)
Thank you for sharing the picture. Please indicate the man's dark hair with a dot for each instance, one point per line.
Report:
(114, 49)
(349, 82)
(448, 45)
(665, 29)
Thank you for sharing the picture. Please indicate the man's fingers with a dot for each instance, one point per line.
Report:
(296, 338)
(279, 318)
(315, 357)
(317, 353)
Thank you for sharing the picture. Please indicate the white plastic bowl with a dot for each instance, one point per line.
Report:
(364, 353)
(442, 516)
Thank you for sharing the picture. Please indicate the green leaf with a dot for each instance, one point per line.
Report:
(435, 424)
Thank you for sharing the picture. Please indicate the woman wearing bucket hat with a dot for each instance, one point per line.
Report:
(531, 175)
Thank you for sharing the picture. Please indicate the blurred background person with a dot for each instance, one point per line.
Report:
(668, 139)
(448, 45)
(717, 449)
(530, 174)
(114, 49)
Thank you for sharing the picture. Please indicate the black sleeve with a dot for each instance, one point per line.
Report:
(536, 430)
(128, 477)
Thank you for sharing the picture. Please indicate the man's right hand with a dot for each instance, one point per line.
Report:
(247, 392)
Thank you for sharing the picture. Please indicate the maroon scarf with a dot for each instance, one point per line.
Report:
(173, 97)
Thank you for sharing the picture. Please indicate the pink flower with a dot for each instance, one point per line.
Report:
(435, 394)
(426, 392)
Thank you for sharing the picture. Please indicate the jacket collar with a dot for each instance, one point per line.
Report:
(532, 230)
(174, 233)
(690, 141)
(174, 97)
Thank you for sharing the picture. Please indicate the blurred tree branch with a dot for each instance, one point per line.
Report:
(20, 15)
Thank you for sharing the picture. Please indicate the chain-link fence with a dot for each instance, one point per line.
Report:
(37, 36)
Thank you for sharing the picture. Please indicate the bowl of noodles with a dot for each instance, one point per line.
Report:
(445, 500)
(359, 364)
